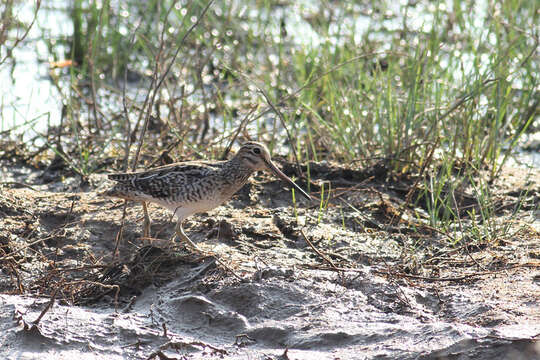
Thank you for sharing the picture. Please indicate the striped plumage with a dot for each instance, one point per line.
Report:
(191, 187)
(180, 183)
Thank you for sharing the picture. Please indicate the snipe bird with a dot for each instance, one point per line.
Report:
(191, 187)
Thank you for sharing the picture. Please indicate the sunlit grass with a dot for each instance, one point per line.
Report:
(441, 91)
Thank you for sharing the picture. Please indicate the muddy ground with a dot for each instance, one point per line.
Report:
(361, 279)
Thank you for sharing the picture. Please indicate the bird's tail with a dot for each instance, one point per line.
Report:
(120, 177)
(118, 191)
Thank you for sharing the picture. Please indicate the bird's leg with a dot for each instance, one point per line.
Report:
(183, 237)
(147, 221)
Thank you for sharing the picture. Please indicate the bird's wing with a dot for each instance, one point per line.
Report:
(166, 181)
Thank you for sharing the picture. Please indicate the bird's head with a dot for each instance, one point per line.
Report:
(257, 157)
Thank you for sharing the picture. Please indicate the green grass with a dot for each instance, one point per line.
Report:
(444, 102)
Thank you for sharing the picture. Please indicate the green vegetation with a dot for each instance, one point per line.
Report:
(439, 93)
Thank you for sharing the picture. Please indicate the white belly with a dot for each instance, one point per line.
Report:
(182, 211)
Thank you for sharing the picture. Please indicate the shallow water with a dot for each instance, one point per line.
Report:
(30, 101)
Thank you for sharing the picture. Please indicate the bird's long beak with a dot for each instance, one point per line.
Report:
(280, 174)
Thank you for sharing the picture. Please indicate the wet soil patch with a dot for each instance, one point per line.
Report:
(360, 277)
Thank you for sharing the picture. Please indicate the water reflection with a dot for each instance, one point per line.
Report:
(30, 100)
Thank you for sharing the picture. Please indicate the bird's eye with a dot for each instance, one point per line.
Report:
(257, 151)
